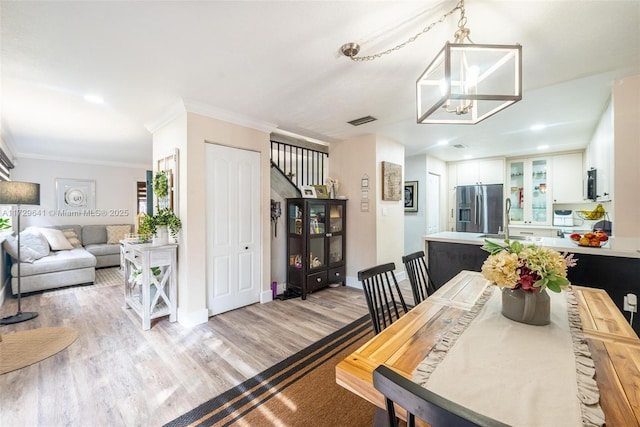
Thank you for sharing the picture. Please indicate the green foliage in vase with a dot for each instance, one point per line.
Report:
(530, 268)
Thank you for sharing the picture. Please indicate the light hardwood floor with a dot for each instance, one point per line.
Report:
(116, 374)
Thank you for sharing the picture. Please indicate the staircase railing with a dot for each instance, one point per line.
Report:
(301, 165)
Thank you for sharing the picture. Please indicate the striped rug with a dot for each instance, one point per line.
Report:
(105, 277)
(299, 391)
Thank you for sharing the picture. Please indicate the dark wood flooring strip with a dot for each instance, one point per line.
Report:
(214, 409)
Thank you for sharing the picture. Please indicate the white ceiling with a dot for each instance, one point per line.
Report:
(278, 63)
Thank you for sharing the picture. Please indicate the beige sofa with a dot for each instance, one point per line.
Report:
(51, 262)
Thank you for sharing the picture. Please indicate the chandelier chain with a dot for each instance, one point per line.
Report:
(461, 23)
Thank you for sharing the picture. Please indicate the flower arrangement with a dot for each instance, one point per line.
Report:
(530, 268)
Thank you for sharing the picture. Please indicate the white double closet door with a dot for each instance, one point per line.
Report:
(233, 228)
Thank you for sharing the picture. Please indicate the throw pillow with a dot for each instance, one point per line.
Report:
(10, 245)
(72, 237)
(32, 238)
(115, 233)
(56, 239)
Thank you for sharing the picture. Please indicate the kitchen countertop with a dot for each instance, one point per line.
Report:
(624, 248)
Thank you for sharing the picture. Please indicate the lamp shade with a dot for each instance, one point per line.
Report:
(466, 83)
(19, 193)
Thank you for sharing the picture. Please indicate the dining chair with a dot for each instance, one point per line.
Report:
(421, 284)
(424, 404)
(384, 299)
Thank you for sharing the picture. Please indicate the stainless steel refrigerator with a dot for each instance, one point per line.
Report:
(479, 208)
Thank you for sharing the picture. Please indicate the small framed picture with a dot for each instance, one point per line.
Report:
(308, 192)
(321, 191)
(411, 196)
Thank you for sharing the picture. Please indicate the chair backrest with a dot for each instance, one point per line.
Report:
(424, 404)
(383, 295)
(416, 268)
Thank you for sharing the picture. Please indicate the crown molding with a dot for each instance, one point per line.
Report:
(190, 106)
(18, 156)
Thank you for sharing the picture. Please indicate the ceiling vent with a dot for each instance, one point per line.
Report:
(459, 146)
(362, 120)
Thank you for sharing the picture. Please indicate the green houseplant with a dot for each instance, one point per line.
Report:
(164, 216)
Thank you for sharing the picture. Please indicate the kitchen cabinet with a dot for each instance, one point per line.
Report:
(567, 184)
(316, 244)
(599, 155)
(483, 171)
(528, 188)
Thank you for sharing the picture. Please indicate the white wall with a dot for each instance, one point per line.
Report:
(350, 160)
(415, 223)
(116, 188)
(626, 173)
(390, 214)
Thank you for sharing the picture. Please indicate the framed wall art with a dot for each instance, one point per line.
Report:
(75, 194)
(411, 196)
(391, 182)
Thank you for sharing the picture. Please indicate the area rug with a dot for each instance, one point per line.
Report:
(20, 349)
(299, 391)
(105, 278)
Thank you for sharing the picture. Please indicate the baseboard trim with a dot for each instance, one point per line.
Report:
(193, 318)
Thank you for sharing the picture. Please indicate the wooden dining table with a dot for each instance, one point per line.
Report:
(615, 347)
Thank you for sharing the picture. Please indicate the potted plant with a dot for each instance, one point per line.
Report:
(165, 218)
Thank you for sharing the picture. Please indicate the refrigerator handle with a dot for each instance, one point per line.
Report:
(479, 209)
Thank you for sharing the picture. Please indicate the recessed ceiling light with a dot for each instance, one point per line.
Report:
(443, 142)
(538, 126)
(543, 147)
(468, 156)
(93, 98)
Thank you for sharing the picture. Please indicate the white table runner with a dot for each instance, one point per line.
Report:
(522, 375)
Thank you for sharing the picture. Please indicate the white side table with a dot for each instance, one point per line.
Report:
(154, 292)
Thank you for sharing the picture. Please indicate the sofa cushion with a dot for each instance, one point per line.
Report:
(10, 245)
(115, 233)
(94, 234)
(32, 238)
(103, 249)
(72, 237)
(56, 261)
(56, 239)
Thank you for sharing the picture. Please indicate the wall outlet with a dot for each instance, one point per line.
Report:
(631, 303)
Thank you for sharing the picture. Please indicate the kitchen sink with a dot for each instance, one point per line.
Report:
(502, 237)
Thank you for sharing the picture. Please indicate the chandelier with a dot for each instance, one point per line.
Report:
(466, 82)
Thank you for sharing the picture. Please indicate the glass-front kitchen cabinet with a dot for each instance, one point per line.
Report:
(528, 189)
(316, 244)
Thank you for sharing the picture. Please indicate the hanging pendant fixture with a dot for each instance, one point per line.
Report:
(466, 82)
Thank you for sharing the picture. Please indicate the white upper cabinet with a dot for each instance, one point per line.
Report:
(600, 155)
(568, 178)
(484, 171)
(528, 190)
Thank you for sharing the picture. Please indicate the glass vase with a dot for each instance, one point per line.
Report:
(532, 308)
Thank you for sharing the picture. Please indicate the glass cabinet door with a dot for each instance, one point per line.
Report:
(335, 218)
(539, 196)
(317, 222)
(516, 191)
(294, 218)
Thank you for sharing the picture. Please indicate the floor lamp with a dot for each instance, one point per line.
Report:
(19, 193)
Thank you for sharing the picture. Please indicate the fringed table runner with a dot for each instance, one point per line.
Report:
(522, 375)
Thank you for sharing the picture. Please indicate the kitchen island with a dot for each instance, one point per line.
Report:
(617, 271)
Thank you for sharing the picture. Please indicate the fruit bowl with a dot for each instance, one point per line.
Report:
(590, 240)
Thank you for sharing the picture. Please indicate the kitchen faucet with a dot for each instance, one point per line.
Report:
(507, 211)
